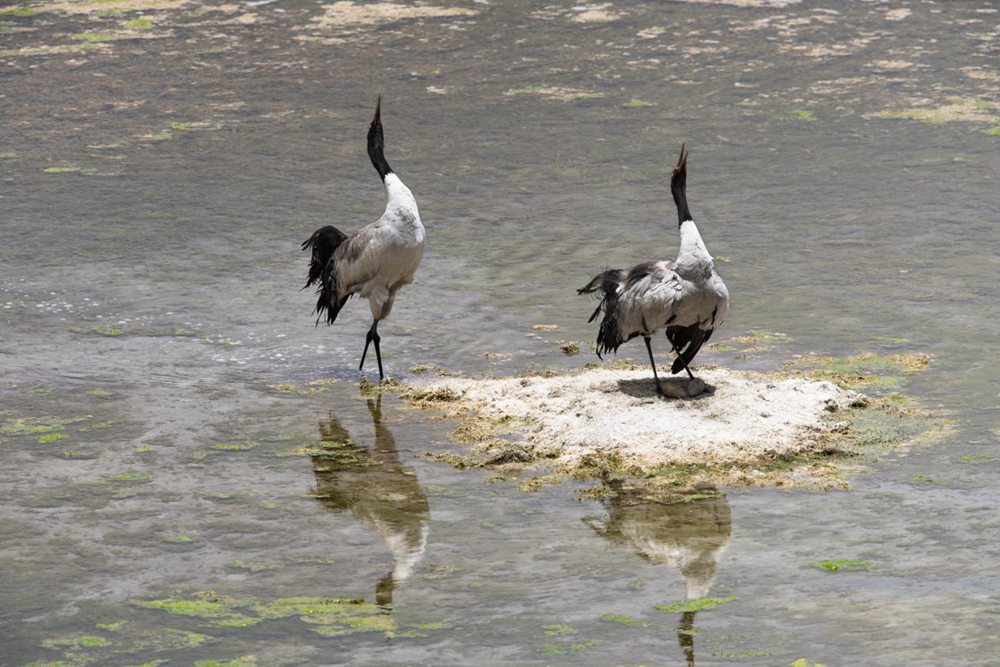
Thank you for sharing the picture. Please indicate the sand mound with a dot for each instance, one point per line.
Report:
(743, 417)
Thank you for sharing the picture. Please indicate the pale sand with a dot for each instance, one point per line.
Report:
(616, 413)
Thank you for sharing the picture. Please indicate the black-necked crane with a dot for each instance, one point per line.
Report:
(684, 296)
(377, 260)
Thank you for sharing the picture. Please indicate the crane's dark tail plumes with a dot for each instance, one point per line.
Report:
(605, 286)
(678, 187)
(686, 341)
(323, 243)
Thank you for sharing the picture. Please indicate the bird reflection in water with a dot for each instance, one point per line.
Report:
(374, 485)
(688, 536)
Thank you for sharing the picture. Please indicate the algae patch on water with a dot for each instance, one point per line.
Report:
(43, 430)
(242, 661)
(696, 604)
(569, 648)
(868, 370)
(330, 617)
(624, 620)
(956, 109)
(842, 565)
(119, 642)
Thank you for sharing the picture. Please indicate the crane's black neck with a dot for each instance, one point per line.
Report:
(678, 188)
(376, 144)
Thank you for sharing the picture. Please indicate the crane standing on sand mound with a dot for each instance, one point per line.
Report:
(686, 296)
(377, 260)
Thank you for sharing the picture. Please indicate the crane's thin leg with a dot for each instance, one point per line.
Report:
(372, 336)
(649, 349)
(677, 352)
(378, 351)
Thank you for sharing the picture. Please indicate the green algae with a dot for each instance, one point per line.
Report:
(18, 11)
(243, 661)
(84, 641)
(216, 613)
(131, 637)
(251, 566)
(96, 37)
(762, 337)
(331, 617)
(234, 446)
(319, 608)
(339, 625)
(139, 24)
(868, 370)
(569, 648)
(636, 103)
(50, 437)
(435, 625)
(369, 389)
(114, 627)
(105, 330)
(802, 662)
(558, 630)
(978, 458)
(842, 565)
(128, 638)
(143, 449)
(804, 114)
(956, 109)
(21, 426)
(923, 478)
(62, 170)
(570, 349)
(624, 620)
(97, 426)
(696, 604)
(180, 539)
(133, 476)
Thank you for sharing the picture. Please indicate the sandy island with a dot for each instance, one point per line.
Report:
(611, 413)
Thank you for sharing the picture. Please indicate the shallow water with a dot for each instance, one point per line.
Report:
(843, 162)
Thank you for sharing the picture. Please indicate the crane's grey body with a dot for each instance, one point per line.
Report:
(686, 297)
(682, 293)
(382, 257)
(377, 260)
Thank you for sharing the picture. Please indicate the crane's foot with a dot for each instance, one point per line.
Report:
(373, 337)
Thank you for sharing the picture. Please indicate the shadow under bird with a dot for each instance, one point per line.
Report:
(684, 296)
(374, 262)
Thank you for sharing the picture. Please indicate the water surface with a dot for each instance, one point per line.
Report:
(178, 436)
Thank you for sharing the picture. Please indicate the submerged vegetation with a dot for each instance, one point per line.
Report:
(329, 617)
(692, 605)
(842, 565)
